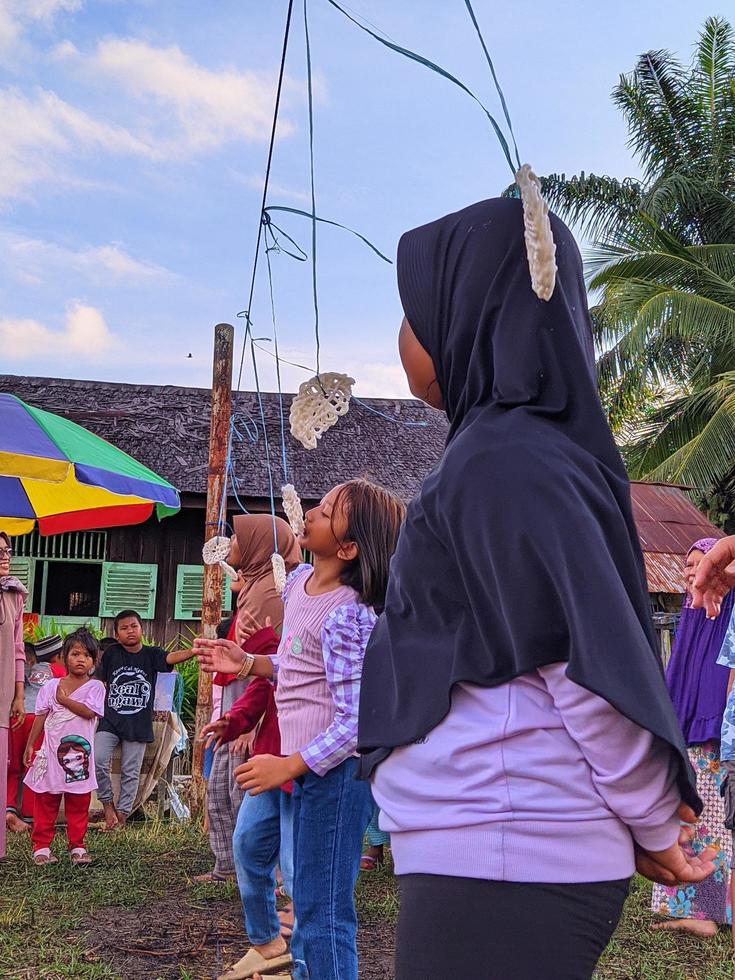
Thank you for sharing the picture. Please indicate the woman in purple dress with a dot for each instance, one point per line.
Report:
(698, 689)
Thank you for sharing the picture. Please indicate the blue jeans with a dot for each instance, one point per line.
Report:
(331, 814)
(264, 837)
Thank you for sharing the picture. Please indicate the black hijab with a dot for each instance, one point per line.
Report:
(520, 550)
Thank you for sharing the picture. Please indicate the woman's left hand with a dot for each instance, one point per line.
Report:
(676, 864)
(17, 712)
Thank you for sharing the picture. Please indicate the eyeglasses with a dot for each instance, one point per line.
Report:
(6, 552)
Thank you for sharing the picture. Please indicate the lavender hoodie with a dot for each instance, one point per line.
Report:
(536, 780)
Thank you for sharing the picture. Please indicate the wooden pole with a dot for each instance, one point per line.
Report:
(219, 432)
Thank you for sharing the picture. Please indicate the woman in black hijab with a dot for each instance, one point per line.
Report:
(513, 713)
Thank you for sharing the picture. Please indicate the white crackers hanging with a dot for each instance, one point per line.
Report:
(293, 509)
(319, 404)
(279, 572)
(540, 246)
(216, 551)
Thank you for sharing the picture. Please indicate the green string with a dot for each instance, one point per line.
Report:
(495, 79)
(325, 221)
(440, 71)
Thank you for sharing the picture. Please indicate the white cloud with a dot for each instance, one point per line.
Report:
(37, 131)
(275, 190)
(208, 108)
(373, 378)
(31, 260)
(16, 16)
(85, 337)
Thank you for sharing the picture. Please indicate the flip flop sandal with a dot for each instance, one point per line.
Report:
(368, 863)
(212, 877)
(44, 857)
(253, 962)
(79, 856)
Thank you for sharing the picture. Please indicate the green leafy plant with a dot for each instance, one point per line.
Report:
(663, 267)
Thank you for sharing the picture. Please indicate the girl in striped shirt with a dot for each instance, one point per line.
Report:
(330, 610)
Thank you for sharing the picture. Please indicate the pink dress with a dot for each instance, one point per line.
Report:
(65, 761)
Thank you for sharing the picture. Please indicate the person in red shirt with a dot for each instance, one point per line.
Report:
(264, 832)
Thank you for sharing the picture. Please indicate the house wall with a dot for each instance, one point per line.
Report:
(169, 543)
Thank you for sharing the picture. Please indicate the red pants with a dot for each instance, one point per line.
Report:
(17, 738)
(76, 808)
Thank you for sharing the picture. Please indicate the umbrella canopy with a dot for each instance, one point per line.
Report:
(56, 473)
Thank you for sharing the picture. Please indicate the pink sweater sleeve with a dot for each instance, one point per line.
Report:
(633, 771)
(20, 652)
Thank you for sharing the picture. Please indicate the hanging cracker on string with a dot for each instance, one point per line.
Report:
(293, 509)
(540, 247)
(216, 551)
(279, 572)
(318, 406)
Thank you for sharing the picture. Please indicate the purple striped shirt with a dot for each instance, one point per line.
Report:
(319, 664)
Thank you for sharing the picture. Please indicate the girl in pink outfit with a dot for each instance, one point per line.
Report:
(67, 710)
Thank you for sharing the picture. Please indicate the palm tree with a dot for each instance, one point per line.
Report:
(682, 131)
(663, 263)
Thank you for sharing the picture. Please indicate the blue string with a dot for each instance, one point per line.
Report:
(284, 459)
(275, 245)
(271, 488)
(310, 93)
(390, 418)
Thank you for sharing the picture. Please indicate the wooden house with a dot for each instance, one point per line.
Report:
(156, 567)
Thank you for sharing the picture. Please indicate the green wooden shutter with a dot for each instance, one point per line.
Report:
(189, 581)
(25, 570)
(127, 585)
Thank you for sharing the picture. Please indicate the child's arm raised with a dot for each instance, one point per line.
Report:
(179, 656)
(35, 731)
(76, 707)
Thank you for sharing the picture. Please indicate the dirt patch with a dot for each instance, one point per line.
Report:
(179, 937)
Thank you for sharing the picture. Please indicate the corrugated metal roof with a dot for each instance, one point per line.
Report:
(664, 573)
(667, 521)
(668, 524)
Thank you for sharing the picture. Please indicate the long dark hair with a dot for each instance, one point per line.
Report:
(374, 516)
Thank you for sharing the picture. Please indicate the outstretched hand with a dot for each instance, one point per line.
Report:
(677, 864)
(213, 733)
(218, 656)
(715, 577)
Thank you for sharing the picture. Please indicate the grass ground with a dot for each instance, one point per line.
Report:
(133, 915)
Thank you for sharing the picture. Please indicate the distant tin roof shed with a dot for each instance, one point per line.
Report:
(668, 525)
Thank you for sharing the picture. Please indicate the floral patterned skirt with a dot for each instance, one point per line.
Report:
(710, 899)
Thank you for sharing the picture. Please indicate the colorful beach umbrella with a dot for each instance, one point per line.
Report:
(56, 474)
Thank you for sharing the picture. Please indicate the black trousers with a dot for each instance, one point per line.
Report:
(468, 929)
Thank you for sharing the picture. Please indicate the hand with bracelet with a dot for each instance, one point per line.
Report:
(226, 657)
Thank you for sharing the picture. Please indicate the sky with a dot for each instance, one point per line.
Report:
(133, 142)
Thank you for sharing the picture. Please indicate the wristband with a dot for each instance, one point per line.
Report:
(246, 667)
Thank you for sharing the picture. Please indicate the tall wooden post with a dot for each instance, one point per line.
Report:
(212, 589)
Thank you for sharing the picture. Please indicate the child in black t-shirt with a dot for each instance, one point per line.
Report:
(129, 670)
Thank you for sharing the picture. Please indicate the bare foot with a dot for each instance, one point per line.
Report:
(111, 818)
(286, 918)
(14, 823)
(705, 928)
(276, 947)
